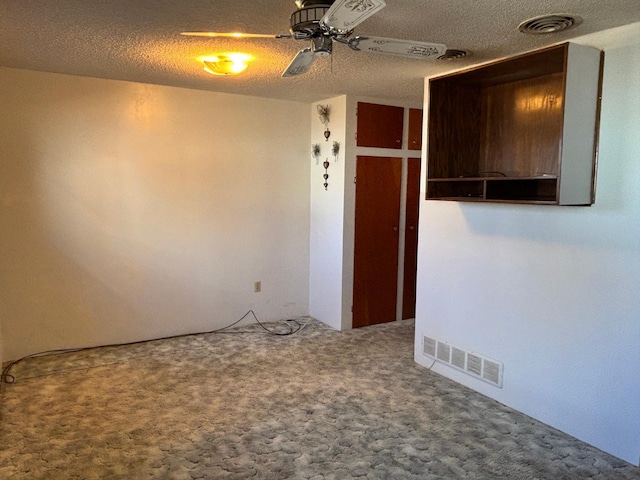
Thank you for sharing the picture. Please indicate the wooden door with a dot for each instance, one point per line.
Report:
(377, 218)
(411, 239)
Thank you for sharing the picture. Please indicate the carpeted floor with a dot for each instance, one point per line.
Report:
(317, 405)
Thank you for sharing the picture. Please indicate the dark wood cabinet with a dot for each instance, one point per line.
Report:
(415, 129)
(520, 130)
(379, 126)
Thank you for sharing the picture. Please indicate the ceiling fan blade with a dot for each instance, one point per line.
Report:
(344, 15)
(235, 35)
(393, 46)
(301, 63)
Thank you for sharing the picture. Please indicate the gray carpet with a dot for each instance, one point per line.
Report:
(317, 405)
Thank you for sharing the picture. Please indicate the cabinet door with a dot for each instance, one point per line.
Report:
(379, 126)
(375, 277)
(411, 239)
(415, 129)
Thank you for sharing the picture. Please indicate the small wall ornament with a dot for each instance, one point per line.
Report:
(335, 150)
(315, 151)
(323, 112)
(325, 164)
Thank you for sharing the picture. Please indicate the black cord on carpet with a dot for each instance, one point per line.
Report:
(6, 376)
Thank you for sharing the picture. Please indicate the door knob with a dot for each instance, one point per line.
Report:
(395, 229)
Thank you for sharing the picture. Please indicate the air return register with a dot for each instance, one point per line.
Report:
(471, 363)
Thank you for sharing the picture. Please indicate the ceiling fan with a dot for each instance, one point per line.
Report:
(325, 21)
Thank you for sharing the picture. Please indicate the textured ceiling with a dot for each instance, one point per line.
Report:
(138, 40)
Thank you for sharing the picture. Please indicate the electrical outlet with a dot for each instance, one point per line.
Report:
(257, 287)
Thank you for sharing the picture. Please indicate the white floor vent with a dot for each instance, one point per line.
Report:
(491, 372)
(444, 352)
(458, 358)
(429, 346)
(472, 364)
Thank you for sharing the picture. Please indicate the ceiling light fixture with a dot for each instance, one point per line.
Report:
(226, 64)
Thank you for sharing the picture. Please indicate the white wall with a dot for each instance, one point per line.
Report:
(327, 212)
(131, 211)
(551, 291)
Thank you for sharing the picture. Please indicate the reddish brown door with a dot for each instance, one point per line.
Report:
(411, 239)
(375, 277)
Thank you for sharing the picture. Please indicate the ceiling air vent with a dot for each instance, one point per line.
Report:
(550, 23)
(452, 54)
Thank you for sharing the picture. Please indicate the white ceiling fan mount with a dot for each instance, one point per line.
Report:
(323, 21)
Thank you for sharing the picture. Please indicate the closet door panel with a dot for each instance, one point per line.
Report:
(377, 219)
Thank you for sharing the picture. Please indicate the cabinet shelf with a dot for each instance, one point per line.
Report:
(534, 189)
(493, 129)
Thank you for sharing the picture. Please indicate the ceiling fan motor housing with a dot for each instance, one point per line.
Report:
(305, 22)
(321, 45)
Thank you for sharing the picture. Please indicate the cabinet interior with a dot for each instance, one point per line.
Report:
(495, 132)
